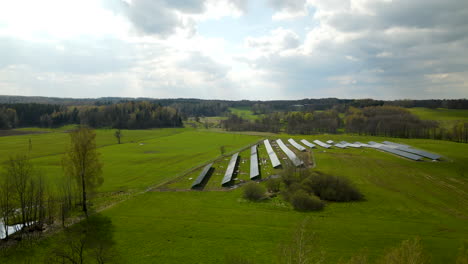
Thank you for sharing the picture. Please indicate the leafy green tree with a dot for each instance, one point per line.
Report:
(81, 162)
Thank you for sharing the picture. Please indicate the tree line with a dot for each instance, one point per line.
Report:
(389, 121)
(129, 115)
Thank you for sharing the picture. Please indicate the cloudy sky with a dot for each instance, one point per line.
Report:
(235, 49)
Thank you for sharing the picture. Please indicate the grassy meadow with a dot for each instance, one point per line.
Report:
(404, 199)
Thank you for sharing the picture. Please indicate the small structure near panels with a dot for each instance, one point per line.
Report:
(271, 153)
(296, 145)
(254, 170)
(320, 143)
(291, 155)
(330, 142)
(202, 176)
(230, 169)
(307, 143)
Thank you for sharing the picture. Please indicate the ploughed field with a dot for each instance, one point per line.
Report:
(165, 221)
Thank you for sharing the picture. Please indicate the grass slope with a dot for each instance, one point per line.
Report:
(404, 199)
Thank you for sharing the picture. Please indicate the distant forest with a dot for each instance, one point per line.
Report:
(306, 116)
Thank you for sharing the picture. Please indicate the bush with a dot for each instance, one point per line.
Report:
(254, 191)
(331, 188)
(273, 185)
(409, 251)
(302, 201)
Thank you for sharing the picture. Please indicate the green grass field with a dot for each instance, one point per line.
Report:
(446, 117)
(244, 112)
(440, 113)
(404, 199)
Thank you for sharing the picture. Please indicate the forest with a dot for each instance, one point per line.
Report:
(306, 116)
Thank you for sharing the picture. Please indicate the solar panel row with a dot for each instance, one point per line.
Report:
(395, 144)
(291, 155)
(347, 144)
(307, 143)
(400, 153)
(230, 169)
(409, 149)
(421, 153)
(254, 172)
(202, 175)
(271, 153)
(338, 145)
(296, 145)
(320, 143)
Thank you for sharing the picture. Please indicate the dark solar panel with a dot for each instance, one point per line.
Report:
(254, 172)
(202, 175)
(421, 153)
(271, 153)
(400, 153)
(291, 155)
(230, 169)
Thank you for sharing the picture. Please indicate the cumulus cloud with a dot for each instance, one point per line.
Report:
(288, 9)
(343, 48)
(165, 17)
(278, 40)
(385, 49)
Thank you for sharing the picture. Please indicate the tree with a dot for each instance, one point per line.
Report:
(19, 171)
(81, 162)
(222, 150)
(89, 240)
(6, 203)
(118, 135)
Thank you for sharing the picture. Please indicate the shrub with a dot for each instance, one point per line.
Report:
(254, 191)
(302, 201)
(410, 251)
(273, 185)
(331, 188)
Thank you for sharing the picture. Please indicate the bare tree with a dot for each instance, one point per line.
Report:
(20, 171)
(81, 162)
(302, 249)
(6, 202)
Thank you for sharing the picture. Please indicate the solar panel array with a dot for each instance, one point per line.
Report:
(202, 175)
(320, 143)
(291, 155)
(296, 145)
(271, 153)
(307, 143)
(254, 172)
(400, 153)
(409, 149)
(338, 145)
(420, 153)
(230, 169)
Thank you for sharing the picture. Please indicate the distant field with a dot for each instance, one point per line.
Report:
(244, 112)
(446, 117)
(404, 199)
